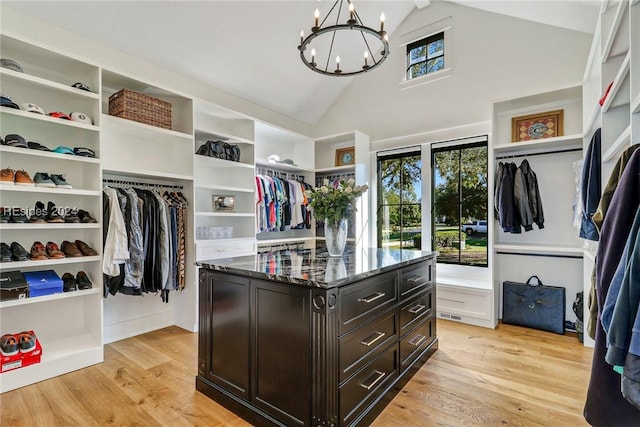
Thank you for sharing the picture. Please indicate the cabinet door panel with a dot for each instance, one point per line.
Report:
(281, 352)
(229, 333)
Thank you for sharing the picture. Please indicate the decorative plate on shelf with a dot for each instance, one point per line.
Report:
(345, 156)
(537, 126)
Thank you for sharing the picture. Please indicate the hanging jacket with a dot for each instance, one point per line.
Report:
(509, 218)
(605, 405)
(591, 188)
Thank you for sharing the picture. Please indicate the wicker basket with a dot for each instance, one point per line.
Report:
(135, 106)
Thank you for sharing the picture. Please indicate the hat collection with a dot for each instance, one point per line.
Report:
(8, 101)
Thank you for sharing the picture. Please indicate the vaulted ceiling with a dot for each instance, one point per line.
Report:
(248, 48)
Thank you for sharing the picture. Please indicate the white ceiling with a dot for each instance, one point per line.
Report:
(248, 48)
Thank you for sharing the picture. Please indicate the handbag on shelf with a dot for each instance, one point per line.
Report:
(220, 150)
(534, 306)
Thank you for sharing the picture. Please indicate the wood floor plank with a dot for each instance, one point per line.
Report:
(510, 376)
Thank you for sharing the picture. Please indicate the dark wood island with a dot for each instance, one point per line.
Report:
(296, 338)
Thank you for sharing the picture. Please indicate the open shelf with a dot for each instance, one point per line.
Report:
(622, 142)
(16, 265)
(538, 249)
(141, 130)
(335, 169)
(49, 226)
(34, 189)
(225, 188)
(47, 154)
(635, 105)
(281, 166)
(48, 119)
(546, 144)
(227, 214)
(219, 163)
(64, 295)
(613, 30)
(618, 82)
(140, 173)
(38, 81)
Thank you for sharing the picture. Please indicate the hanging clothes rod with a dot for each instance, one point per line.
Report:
(540, 255)
(117, 182)
(261, 170)
(334, 177)
(568, 150)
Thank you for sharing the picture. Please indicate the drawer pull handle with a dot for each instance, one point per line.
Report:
(417, 309)
(415, 279)
(417, 340)
(371, 342)
(374, 382)
(372, 298)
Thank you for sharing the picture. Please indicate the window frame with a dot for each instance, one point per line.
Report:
(425, 42)
(379, 203)
(458, 147)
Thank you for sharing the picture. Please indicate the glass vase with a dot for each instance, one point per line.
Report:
(335, 234)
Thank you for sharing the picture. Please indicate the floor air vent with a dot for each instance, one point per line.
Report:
(450, 316)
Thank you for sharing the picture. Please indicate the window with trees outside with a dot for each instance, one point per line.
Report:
(425, 56)
(460, 199)
(399, 200)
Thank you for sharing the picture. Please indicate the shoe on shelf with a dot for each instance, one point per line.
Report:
(38, 252)
(71, 215)
(5, 214)
(85, 249)
(5, 253)
(69, 283)
(26, 341)
(60, 181)
(19, 216)
(52, 213)
(23, 178)
(85, 217)
(8, 345)
(39, 214)
(54, 251)
(7, 176)
(83, 281)
(18, 253)
(42, 179)
(70, 249)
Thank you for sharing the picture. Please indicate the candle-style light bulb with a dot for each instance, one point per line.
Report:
(313, 56)
(301, 36)
(338, 70)
(366, 57)
(352, 9)
(382, 18)
(317, 16)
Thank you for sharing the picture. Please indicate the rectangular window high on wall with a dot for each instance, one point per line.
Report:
(460, 203)
(425, 56)
(400, 200)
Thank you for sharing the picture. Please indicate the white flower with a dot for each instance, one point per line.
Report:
(364, 188)
(348, 190)
(308, 193)
(324, 189)
(357, 188)
(325, 183)
(351, 181)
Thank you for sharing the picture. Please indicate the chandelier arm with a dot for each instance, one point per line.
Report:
(333, 37)
(366, 43)
(329, 13)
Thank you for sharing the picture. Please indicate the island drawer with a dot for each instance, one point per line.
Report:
(363, 300)
(415, 341)
(416, 277)
(360, 345)
(366, 385)
(415, 309)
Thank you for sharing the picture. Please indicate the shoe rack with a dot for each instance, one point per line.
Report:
(68, 325)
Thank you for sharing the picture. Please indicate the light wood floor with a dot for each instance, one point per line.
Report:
(510, 376)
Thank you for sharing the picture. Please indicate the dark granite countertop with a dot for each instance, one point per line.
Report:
(314, 267)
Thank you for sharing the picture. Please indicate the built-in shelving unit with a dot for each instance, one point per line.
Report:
(68, 325)
(554, 253)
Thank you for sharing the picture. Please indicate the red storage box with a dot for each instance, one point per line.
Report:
(20, 360)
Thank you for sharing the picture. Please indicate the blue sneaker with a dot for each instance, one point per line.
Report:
(59, 181)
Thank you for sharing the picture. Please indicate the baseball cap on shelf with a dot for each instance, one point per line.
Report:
(10, 64)
(6, 101)
(60, 115)
(37, 146)
(32, 108)
(15, 140)
(288, 162)
(63, 150)
(81, 117)
(84, 152)
(81, 86)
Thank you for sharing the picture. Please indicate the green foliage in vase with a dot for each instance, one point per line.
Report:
(335, 203)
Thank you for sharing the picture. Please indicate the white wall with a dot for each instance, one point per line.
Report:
(494, 57)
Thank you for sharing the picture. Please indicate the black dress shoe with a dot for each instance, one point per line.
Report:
(68, 283)
(85, 217)
(5, 214)
(18, 253)
(52, 213)
(5, 253)
(83, 281)
(18, 215)
(71, 215)
(39, 214)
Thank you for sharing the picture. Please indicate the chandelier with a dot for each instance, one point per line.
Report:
(357, 48)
